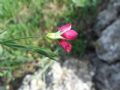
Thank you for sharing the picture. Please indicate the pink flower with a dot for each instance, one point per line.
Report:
(67, 32)
(65, 27)
(64, 34)
(65, 45)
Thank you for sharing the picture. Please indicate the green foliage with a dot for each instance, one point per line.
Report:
(24, 24)
(8, 8)
(84, 3)
(81, 18)
(21, 32)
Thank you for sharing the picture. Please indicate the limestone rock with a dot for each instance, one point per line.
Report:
(107, 77)
(108, 45)
(72, 75)
(107, 16)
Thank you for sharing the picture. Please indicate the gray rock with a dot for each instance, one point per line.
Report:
(114, 4)
(107, 16)
(107, 77)
(2, 87)
(106, 63)
(108, 45)
(72, 75)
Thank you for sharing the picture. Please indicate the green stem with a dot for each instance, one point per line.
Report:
(21, 38)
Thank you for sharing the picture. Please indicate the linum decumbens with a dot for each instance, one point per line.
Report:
(63, 35)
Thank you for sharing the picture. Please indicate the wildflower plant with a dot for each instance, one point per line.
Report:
(24, 24)
(63, 35)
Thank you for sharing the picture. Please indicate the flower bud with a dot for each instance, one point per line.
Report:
(65, 45)
(70, 35)
(67, 33)
(54, 35)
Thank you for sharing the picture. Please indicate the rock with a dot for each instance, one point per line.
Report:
(114, 4)
(106, 63)
(32, 82)
(2, 87)
(107, 77)
(107, 16)
(73, 74)
(108, 45)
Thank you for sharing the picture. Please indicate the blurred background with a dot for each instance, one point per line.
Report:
(28, 19)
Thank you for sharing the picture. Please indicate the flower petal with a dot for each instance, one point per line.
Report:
(70, 35)
(65, 45)
(65, 27)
